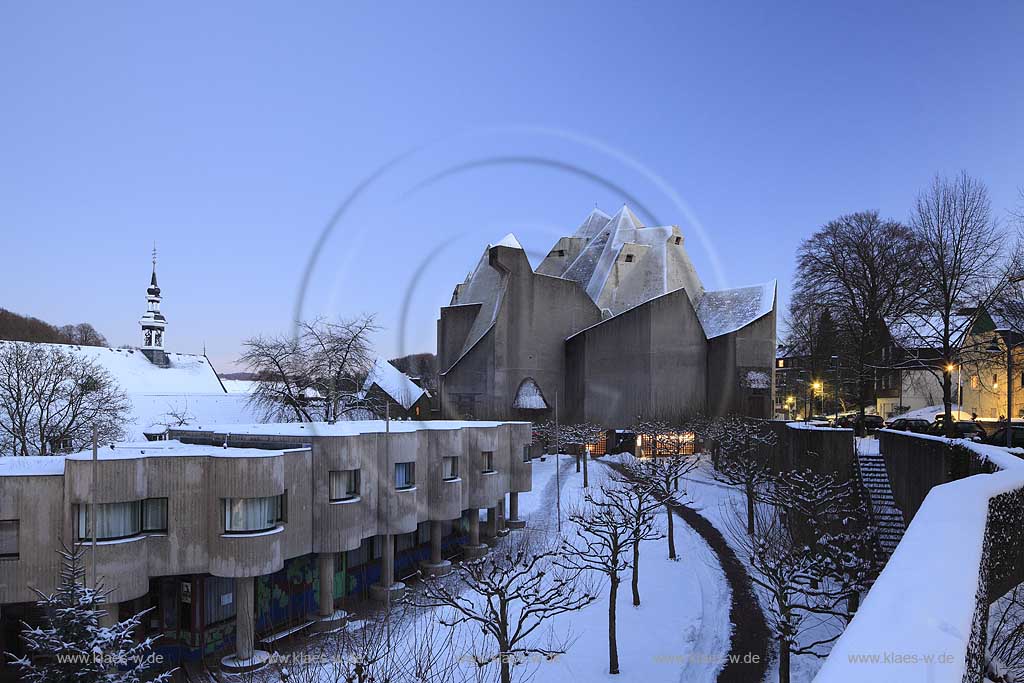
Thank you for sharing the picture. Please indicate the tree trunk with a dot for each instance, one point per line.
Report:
(577, 462)
(783, 660)
(506, 670)
(750, 509)
(613, 648)
(586, 478)
(671, 535)
(636, 573)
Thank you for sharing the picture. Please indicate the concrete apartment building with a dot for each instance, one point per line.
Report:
(615, 321)
(236, 532)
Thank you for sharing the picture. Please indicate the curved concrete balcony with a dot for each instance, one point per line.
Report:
(247, 554)
(119, 480)
(446, 500)
(399, 511)
(122, 564)
(255, 477)
(343, 524)
(487, 489)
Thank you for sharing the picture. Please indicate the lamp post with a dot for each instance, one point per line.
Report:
(835, 407)
(821, 396)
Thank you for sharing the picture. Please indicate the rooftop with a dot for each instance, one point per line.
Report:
(342, 428)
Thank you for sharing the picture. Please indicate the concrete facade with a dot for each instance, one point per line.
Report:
(449, 471)
(615, 322)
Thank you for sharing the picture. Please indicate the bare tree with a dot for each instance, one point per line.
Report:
(603, 535)
(857, 267)
(643, 503)
(959, 263)
(743, 457)
(314, 375)
(798, 604)
(509, 597)
(662, 474)
(52, 400)
(1006, 636)
(83, 334)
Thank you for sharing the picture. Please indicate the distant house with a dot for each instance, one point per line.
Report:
(386, 385)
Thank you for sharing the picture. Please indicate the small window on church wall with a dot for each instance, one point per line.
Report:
(679, 240)
(974, 382)
(561, 253)
(629, 258)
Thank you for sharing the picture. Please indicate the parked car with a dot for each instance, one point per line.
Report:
(998, 437)
(871, 422)
(962, 429)
(909, 424)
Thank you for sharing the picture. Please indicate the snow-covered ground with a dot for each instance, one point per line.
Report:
(720, 504)
(681, 630)
(680, 633)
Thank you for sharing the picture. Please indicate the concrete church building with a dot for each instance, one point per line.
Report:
(616, 321)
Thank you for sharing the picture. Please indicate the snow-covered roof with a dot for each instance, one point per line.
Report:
(343, 428)
(529, 396)
(239, 386)
(188, 387)
(134, 372)
(50, 465)
(509, 240)
(394, 383)
(927, 331)
(727, 310)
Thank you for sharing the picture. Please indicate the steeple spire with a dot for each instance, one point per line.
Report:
(153, 322)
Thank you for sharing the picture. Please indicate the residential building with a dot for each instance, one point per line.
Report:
(235, 532)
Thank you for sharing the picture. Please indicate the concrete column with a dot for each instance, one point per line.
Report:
(474, 548)
(325, 563)
(436, 565)
(109, 619)
(502, 531)
(245, 617)
(513, 521)
(474, 526)
(388, 585)
(492, 522)
(387, 561)
(435, 541)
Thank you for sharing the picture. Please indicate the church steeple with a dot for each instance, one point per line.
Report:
(153, 322)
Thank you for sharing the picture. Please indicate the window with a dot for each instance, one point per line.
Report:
(450, 467)
(124, 520)
(9, 539)
(113, 520)
(246, 515)
(220, 599)
(154, 515)
(405, 475)
(974, 381)
(488, 461)
(344, 484)
(526, 454)
(629, 258)
(780, 363)
(679, 240)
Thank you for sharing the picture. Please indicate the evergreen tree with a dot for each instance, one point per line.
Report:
(72, 647)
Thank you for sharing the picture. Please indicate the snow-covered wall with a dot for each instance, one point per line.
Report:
(925, 618)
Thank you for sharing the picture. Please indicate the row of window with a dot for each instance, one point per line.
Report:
(116, 521)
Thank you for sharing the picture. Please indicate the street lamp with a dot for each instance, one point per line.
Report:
(821, 396)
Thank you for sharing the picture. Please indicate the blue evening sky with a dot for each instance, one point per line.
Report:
(231, 134)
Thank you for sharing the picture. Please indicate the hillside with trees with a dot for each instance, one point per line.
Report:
(17, 327)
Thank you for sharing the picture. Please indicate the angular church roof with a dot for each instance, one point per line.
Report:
(728, 310)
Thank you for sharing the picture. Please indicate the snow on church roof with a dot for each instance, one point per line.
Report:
(728, 310)
(509, 240)
(394, 383)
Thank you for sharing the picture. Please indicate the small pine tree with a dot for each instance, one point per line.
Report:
(72, 647)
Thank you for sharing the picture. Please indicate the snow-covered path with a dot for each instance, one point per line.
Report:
(681, 631)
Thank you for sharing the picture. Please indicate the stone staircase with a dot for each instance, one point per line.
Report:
(875, 480)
